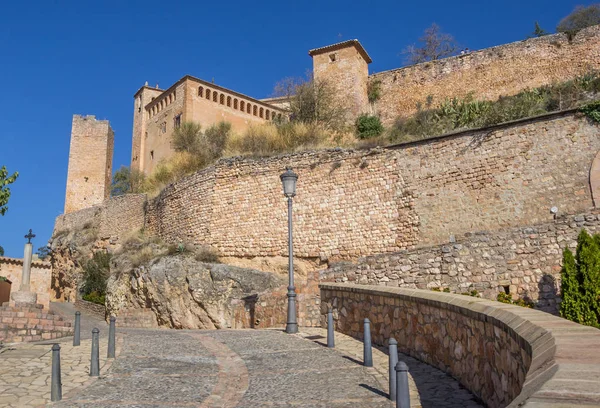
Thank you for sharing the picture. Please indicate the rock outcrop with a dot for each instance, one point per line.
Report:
(185, 293)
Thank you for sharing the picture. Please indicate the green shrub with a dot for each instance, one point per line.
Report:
(507, 298)
(368, 126)
(466, 113)
(94, 297)
(95, 273)
(580, 281)
(374, 90)
(592, 111)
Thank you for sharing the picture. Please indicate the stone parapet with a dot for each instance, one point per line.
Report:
(505, 354)
(24, 322)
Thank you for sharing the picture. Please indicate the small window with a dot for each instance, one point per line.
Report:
(177, 121)
(332, 57)
(151, 154)
(201, 92)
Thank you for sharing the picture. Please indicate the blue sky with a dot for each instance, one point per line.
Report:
(59, 58)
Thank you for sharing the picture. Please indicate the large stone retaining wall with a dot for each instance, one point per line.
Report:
(352, 203)
(504, 354)
(523, 261)
(488, 74)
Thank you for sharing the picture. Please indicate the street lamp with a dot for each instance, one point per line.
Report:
(288, 179)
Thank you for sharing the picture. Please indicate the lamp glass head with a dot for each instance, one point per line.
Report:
(288, 179)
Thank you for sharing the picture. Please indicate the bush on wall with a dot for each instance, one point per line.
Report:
(95, 276)
(580, 281)
(368, 126)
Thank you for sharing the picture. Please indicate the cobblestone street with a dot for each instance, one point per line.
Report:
(224, 368)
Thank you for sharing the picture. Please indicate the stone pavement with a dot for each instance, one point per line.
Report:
(429, 387)
(25, 371)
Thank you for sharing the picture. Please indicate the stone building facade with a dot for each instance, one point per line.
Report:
(41, 275)
(157, 113)
(90, 163)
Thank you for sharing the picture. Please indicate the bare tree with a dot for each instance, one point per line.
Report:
(434, 45)
(312, 101)
(579, 19)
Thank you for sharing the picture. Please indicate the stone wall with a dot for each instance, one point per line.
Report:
(40, 278)
(504, 354)
(489, 73)
(523, 261)
(116, 217)
(90, 163)
(91, 308)
(353, 203)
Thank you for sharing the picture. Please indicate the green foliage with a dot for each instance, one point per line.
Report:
(507, 298)
(459, 114)
(368, 126)
(206, 146)
(126, 180)
(579, 19)
(592, 111)
(374, 90)
(1, 251)
(580, 281)
(95, 297)
(5, 180)
(3, 278)
(43, 252)
(538, 31)
(95, 273)
(186, 138)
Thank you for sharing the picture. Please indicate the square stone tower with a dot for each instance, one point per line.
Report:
(90, 163)
(345, 66)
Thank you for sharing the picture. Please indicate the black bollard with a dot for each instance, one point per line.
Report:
(367, 350)
(402, 393)
(77, 330)
(95, 363)
(393, 352)
(56, 384)
(330, 329)
(111, 338)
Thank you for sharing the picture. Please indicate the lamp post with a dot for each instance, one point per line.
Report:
(288, 179)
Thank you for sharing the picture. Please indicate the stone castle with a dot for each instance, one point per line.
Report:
(485, 74)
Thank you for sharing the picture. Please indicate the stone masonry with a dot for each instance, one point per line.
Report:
(507, 355)
(489, 73)
(90, 163)
(522, 261)
(41, 275)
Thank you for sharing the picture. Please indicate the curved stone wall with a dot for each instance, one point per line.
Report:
(504, 354)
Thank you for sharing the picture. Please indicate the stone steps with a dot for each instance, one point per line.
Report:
(25, 322)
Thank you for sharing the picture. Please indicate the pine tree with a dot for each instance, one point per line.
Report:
(569, 288)
(538, 31)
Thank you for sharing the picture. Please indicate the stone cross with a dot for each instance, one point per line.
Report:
(29, 236)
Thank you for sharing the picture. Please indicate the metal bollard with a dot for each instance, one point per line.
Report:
(95, 363)
(76, 333)
(367, 350)
(402, 393)
(330, 331)
(56, 384)
(111, 338)
(393, 352)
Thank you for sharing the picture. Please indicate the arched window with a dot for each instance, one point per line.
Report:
(243, 106)
(254, 110)
(235, 103)
(261, 112)
(201, 92)
(229, 101)
(208, 94)
(215, 96)
(222, 99)
(248, 108)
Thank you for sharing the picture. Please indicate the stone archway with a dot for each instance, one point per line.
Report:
(595, 180)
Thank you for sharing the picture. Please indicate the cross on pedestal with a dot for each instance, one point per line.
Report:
(29, 236)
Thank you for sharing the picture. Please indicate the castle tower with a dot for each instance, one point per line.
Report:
(345, 66)
(142, 97)
(90, 163)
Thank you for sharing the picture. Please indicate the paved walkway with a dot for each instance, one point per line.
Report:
(225, 368)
